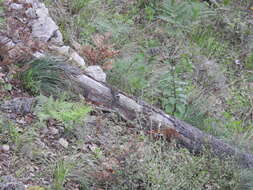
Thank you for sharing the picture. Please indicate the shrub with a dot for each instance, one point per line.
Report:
(45, 76)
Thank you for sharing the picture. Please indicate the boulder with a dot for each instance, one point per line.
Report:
(96, 72)
(44, 28)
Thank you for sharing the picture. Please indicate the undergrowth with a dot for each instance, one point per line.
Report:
(71, 114)
(45, 76)
(189, 58)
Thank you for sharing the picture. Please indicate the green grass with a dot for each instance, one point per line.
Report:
(209, 42)
(60, 174)
(45, 76)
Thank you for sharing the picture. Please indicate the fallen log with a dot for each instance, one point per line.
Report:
(150, 118)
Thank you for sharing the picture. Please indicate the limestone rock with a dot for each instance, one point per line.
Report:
(77, 58)
(5, 148)
(63, 142)
(63, 50)
(21, 105)
(44, 28)
(16, 6)
(70, 53)
(96, 72)
(31, 13)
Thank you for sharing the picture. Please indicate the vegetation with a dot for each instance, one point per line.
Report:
(45, 76)
(192, 59)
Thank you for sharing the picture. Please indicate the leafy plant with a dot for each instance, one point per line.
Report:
(209, 42)
(69, 113)
(172, 89)
(14, 134)
(181, 15)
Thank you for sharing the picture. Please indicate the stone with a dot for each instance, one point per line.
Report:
(5, 148)
(38, 55)
(16, 6)
(77, 59)
(96, 72)
(31, 13)
(58, 38)
(70, 53)
(20, 105)
(54, 131)
(63, 142)
(44, 28)
(63, 50)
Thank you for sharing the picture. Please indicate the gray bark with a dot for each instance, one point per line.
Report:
(148, 117)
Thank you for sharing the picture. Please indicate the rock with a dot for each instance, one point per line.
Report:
(63, 50)
(5, 148)
(54, 131)
(30, 1)
(96, 72)
(31, 13)
(16, 6)
(57, 39)
(21, 105)
(70, 53)
(10, 183)
(38, 55)
(77, 58)
(44, 28)
(63, 142)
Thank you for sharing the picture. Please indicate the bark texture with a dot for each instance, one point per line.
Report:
(148, 117)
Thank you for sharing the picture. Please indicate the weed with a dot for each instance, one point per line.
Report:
(69, 113)
(77, 5)
(181, 15)
(131, 75)
(209, 42)
(2, 19)
(60, 174)
(168, 168)
(249, 62)
(97, 153)
(14, 134)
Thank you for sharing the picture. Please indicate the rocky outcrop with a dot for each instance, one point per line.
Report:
(40, 36)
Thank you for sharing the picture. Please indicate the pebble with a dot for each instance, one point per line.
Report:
(5, 148)
(63, 142)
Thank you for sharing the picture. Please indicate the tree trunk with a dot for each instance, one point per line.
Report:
(149, 118)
